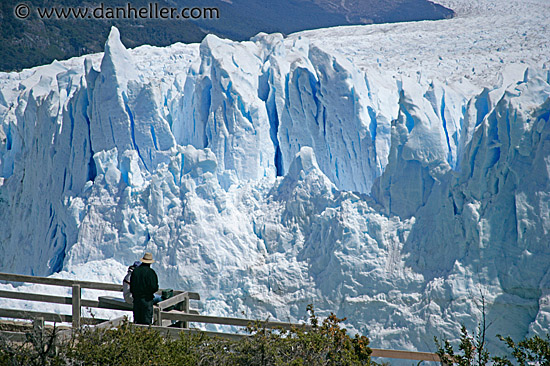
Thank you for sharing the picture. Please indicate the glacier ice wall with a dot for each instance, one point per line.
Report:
(271, 174)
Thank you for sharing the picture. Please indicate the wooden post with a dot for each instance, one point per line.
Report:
(186, 307)
(76, 306)
(157, 316)
(38, 326)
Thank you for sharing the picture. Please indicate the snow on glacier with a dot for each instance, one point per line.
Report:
(389, 173)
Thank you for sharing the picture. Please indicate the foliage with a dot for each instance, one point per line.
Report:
(40, 348)
(473, 351)
(126, 345)
(473, 347)
(530, 351)
(325, 343)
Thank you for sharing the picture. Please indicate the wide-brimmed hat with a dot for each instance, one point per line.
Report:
(147, 258)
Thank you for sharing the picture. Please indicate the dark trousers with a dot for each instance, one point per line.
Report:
(143, 311)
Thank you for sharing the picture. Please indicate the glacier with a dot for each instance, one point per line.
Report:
(392, 174)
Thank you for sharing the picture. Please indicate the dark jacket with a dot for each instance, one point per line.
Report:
(144, 282)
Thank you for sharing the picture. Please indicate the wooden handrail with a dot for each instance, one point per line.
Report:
(175, 332)
(75, 300)
(10, 277)
(405, 355)
(174, 300)
(49, 317)
(112, 323)
(60, 282)
(239, 322)
(46, 298)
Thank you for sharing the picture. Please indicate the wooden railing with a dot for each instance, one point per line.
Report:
(238, 322)
(164, 320)
(75, 300)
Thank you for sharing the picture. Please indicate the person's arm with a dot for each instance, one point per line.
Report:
(156, 280)
(132, 287)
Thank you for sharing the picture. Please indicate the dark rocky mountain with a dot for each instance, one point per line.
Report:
(35, 41)
(381, 11)
(242, 19)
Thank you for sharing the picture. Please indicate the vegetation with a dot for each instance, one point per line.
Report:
(473, 352)
(473, 348)
(326, 343)
(531, 351)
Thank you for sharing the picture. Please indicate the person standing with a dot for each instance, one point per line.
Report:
(126, 283)
(143, 286)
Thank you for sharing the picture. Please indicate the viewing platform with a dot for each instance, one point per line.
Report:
(171, 316)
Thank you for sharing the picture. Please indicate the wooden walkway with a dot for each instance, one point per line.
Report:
(166, 319)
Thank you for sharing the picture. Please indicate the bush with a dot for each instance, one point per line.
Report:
(324, 344)
(40, 348)
(123, 345)
(472, 351)
(530, 351)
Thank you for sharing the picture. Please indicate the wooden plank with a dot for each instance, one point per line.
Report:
(46, 298)
(24, 314)
(175, 332)
(60, 282)
(83, 284)
(19, 337)
(89, 303)
(92, 321)
(76, 306)
(35, 297)
(38, 325)
(405, 355)
(166, 323)
(192, 295)
(185, 309)
(174, 300)
(115, 303)
(113, 323)
(239, 322)
(157, 316)
(49, 317)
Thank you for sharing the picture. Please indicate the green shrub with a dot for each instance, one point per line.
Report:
(323, 344)
(123, 345)
(40, 348)
(472, 351)
(530, 351)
